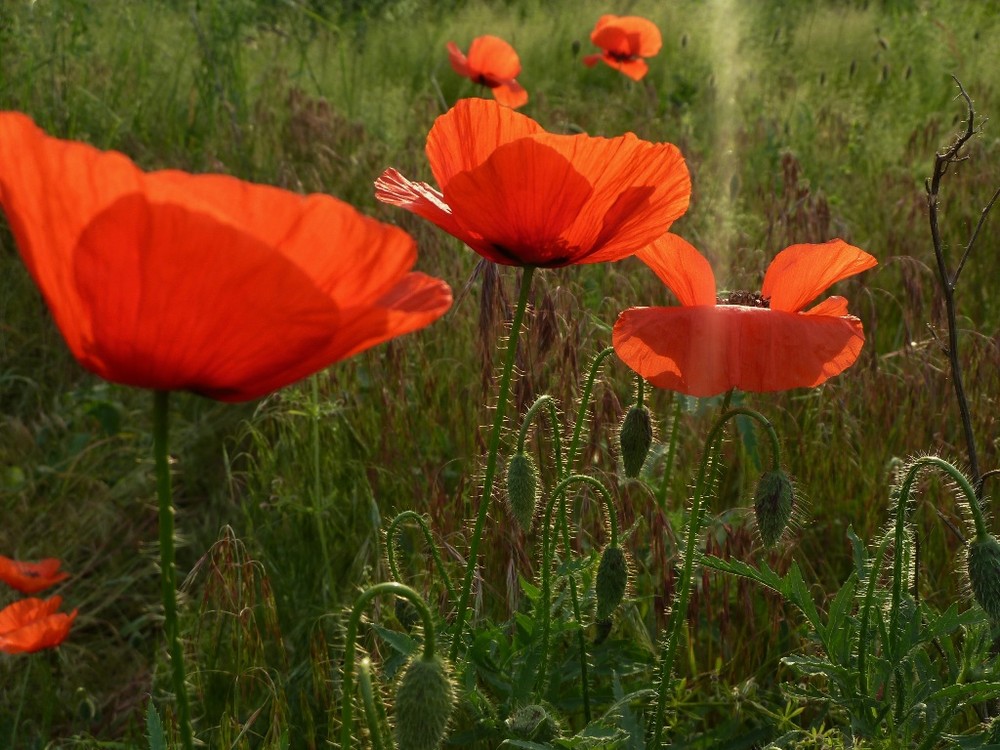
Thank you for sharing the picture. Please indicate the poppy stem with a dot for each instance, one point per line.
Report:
(347, 697)
(20, 703)
(390, 548)
(491, 460)
(668, 469)
(168, 570)
(678, 614)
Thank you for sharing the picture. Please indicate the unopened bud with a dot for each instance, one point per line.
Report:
(612, 579)
(772, 505)
(635, 437)
(522, 490)
(533, 723)
(984, 573)
(424, 700)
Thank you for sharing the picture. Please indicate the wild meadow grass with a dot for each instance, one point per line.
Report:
(799, 121)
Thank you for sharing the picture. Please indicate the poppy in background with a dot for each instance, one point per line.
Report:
(754, 341)
(30, 625)
(31, 577)
(172, 281)
(625, 41)
(520, 196)
(493, 63)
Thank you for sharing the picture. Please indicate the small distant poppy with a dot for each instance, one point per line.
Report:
(173, 281)
(625, 41)
(31, 577)
(522, 197)
(755, 341)
(30, 625)
(492, 62)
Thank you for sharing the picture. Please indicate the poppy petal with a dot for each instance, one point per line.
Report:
(635, 69)
(523, 197)
(510, 94)
(31, 577)
(640, 189)
(30, 625)
(459, 62)
(831, 306)
(706, 350)
(800, 273)
(685, 271)
(493, 57)
(465, 136)
(592, 60)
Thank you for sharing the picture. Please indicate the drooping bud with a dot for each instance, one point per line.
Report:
(424, 701)
(522, 490)
(612, 580)
(533, 723)
(984, 573)
(772, 505)
(634, 438)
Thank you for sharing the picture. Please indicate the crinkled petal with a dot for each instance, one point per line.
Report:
(31, 577)
(706, 350)
(635, 69)
(459, 62)
(466, 135)
(15, 615)
(627, 36)
(522, 198)
(685, 271)
(31, 625)
(640, 189)
(493, 57)
(832, 306)
(800, 273)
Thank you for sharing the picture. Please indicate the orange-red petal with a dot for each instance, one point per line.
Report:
(31, 577)
(627, 36)
(467, 134)
(459, 62)
(510, 94)
(635, 69)
(706, 350)
(494, 58)
(31, 625)
(685, 271)
(800, 273)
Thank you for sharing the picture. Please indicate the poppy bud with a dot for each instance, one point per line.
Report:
(635, 437)
(772, 504)
(522, 490)
(424, 700)
(984, 573)
(533, 723)
(612, 579)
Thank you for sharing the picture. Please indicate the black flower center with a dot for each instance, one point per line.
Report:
(747, 299)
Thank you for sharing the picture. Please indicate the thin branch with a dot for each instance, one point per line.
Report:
(975, 234)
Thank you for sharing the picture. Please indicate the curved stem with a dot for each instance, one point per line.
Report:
(390, 548)
(558, 492)
(491, 461)
(581, 415)
(549, 403)
(168, 570)
(398, 589)
(368, 699)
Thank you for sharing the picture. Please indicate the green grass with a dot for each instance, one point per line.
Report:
(800, 121)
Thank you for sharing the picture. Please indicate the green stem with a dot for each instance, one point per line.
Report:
(668, 469)
(390, 542)
(398, 589)
(317, 472)
(549, 403)
(20, 703)
(491, 461)
(678, 615)
(368, 699)
(558, 492)
(581, 415)
(168, 570)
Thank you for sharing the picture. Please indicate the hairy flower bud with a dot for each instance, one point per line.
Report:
(534, 723)
(612, 579)
(424, 701)
(984, 573)
(522, 490)
(772, 505)
(634, 438)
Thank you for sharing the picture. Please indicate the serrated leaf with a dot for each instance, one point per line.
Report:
(154, 728)
(400, 642)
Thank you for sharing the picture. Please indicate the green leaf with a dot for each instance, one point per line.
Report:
(399, 641)
(154, 728)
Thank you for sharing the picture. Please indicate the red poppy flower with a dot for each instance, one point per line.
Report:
(30, 625)
(762, 341)
(523, 197)
(170, 281)
(493, 63)
(625, 41)
(31, 577)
